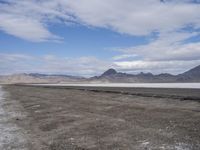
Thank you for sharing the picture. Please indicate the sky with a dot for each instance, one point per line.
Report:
(87, 37)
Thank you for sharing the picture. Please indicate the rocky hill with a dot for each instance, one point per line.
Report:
(193, 75)
(112, 75)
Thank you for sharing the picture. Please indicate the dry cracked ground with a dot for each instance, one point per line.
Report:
(55, 118)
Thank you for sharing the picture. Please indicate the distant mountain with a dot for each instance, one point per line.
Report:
(53, 75)
(109, 72)
(111, 75)
(193, 75)
(39, 78)
(195, 72)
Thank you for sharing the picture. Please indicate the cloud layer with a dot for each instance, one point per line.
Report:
(173, 22)
(169, 52)
(50, 64)
(86, 66)
(29, 20)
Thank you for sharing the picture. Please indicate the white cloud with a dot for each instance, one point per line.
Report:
(26, 28)
(83, 66)
(168, 53)
(156, 67)
(135, 17)
(168, 46)
(30, 19)
(15, 63)
(125, 56)
(87, 66)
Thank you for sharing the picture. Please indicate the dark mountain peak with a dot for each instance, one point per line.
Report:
(165, 75)
(37, 75)
(109, 72)
(145, 74)
(193, 71)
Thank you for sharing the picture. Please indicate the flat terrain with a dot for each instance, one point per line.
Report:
(97, 118)
(128, 85)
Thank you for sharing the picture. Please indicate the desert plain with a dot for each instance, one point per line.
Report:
(98, 118)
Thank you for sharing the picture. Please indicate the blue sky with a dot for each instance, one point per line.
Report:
(77, 41)
(86, 37)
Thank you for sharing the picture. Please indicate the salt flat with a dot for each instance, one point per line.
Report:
(145, 85)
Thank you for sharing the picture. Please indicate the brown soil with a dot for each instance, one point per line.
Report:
(107, 119)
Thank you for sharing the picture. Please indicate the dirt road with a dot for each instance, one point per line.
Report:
(74, 119)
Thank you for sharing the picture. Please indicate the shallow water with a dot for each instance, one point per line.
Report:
(145, 85)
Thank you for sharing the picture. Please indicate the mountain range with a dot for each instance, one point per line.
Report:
(109, 76)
